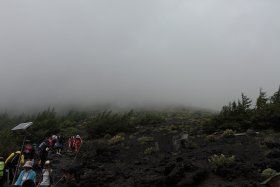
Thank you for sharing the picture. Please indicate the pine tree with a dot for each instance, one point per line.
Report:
(261, 100)
(246, 102)
(275, 99)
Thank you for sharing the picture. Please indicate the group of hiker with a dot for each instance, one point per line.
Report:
(33, 157)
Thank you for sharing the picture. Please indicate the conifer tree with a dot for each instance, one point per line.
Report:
(261, 100)
(275, 99)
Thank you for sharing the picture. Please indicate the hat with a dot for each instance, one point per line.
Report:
(28, 164)
(78, 136)
(54, 137)
(47, 162)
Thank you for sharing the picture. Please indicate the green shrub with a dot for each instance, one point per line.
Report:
(228, 133)
(150, 151)
(116, 139)
(145, 139)
(268, 173)
(221, 161)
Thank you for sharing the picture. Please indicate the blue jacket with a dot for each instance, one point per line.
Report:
(31, 175)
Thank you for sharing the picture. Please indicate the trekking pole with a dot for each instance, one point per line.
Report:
(58, 181)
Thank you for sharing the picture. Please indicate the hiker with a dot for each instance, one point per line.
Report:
(13, 158)
(26, 174)
(2, 167)
(11, 163)
(54, 140)
(78, 142)
(50, 142)
(43, 152)
(71, 145)
(46, 175)
(28, 151)
(58, 145)
(69, 175)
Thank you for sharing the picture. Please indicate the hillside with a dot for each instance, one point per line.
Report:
(156, 149)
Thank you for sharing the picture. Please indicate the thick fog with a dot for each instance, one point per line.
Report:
(137, 53)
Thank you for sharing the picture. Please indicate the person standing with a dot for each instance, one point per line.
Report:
(46, 175)
(71, 144)
(78, 143)
(43, 152)
(11, 163)
(58, 145)
(26, 174)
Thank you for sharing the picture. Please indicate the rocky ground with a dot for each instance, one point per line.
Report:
(126, 163)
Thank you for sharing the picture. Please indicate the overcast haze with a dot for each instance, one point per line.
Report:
(194, 53)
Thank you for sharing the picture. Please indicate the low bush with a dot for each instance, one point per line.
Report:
(150, 151)
(268, 173)
(116, 139)
(221, 161)
(228, 133)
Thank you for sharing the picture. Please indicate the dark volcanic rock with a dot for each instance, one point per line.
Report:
(105, 165)
(169, 168)
(272, 144)
(193, 179)
(274, 164)
(175, 176)
(188, 181)
(275, 153)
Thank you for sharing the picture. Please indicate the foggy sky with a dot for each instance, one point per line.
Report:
(136, 53)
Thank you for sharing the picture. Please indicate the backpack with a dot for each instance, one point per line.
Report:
(14, 160)
(60, 140)
(28, 148)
